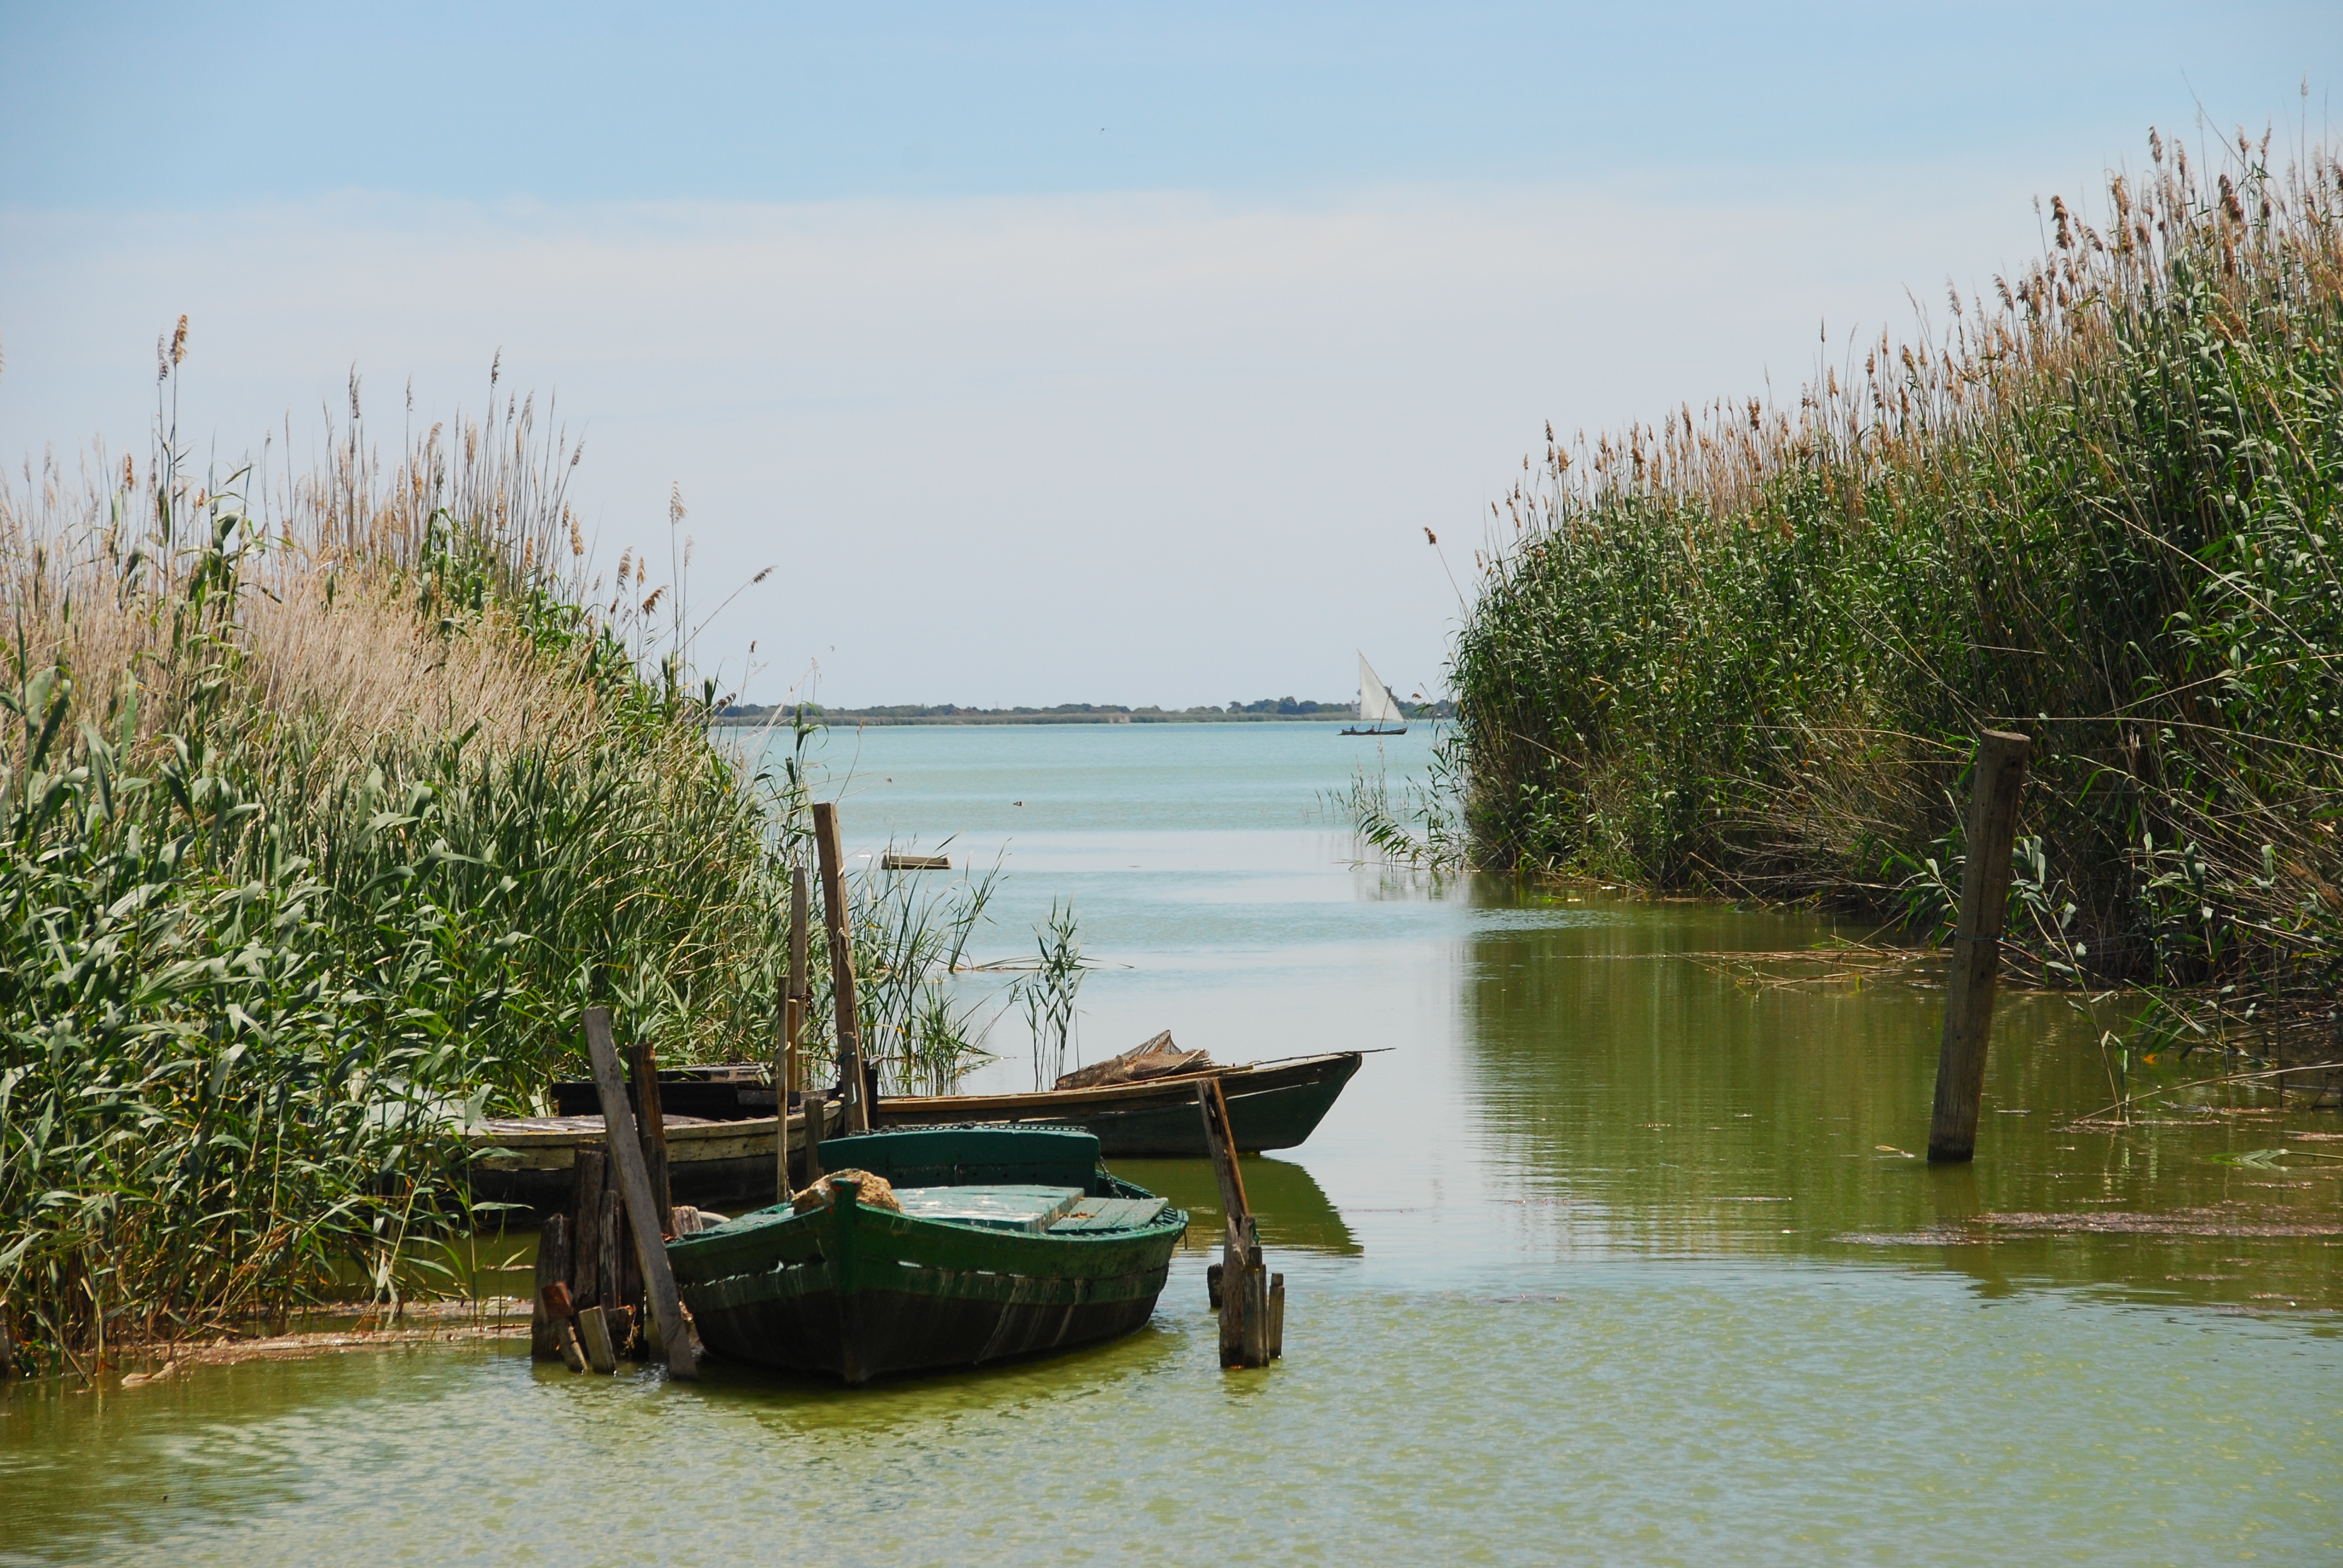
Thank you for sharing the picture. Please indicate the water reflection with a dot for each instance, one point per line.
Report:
(1293, 1212)
(1686, 1109)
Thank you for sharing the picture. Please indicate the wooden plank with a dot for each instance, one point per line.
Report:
(594, 1328)
(624, 1308)
(800, 977)
(562, 1313)
(1214, 1107)
(785, 1068)
(667, 1307)
(609, 1252)
(552, 1269)
(1107, 1214)
(999, 1208)
(586, 1225)
(786, 1071)
(2000, 778)
(831, 854)
(652, 1126)
(817, 1123)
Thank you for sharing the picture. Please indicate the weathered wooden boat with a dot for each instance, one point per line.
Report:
(1009, 1243)
(1274, 1105)
(713, 1162)
(720, 1124)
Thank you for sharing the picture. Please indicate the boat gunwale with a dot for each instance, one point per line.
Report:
(1009, 1251)
(1107, 1094)
(511, 1132)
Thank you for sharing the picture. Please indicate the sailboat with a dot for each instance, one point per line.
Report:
(1378, 711)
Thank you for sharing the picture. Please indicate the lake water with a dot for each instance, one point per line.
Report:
(1614, 1253)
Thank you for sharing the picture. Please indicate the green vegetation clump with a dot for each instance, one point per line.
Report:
(325, 810)
(1750, 652)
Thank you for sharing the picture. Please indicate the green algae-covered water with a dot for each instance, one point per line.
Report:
(1614, 1252)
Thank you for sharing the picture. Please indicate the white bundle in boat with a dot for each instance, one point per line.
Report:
(877, 1193)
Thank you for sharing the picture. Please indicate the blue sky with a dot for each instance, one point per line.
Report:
(1057, 353)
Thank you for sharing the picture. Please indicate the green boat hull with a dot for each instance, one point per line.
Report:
(856, 1292)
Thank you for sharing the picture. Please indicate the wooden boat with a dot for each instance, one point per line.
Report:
(1272, 1105)
(712, 1161)
(719, 1125)
(1009, 1243)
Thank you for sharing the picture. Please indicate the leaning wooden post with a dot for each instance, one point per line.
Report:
(626, 1153)
(1248, 1327)
(832, 856)
(793, 1012)
(1976, 945)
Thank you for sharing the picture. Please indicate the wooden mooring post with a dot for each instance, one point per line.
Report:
(1249, 1299)
(831, 855)
(2000, 776)
(817, 1116)
(786, 1070)
(545, 1320)
(626, 1154)
(650, 1126)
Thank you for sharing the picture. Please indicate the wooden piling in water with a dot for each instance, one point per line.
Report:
(651, 1128)
(610, 1250)
(552, 1269)
(634, 1183)
(594, 1328)
(2000, 777)
(832, 855)
(1251, 1311)
(588, 1177)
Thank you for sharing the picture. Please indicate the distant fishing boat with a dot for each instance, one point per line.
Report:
(1378, 711)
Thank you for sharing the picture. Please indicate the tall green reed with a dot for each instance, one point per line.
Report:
(321, 823)
(1749, 652)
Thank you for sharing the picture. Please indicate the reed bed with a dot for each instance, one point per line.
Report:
(1748, 650)
(328, 800)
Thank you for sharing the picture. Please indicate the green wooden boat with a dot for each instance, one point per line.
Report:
(1012, 1241)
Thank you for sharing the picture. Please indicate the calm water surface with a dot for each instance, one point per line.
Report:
(1615, 1253)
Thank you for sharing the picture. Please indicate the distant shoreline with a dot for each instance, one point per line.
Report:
(1280, 710)
(737, 718)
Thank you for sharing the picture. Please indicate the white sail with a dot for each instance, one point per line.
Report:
(1376, 705)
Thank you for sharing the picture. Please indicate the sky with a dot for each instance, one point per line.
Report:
(1049, 353)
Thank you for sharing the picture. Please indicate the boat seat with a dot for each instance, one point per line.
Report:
(1001, 1207)
(1108, 1214)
